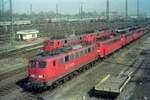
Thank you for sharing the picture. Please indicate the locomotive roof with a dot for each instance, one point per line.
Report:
(126, 29)
(57, 51)
(62, 36)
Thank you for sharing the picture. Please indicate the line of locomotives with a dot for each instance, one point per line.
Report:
(49, 67)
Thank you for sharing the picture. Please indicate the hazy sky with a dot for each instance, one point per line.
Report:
(72, 6)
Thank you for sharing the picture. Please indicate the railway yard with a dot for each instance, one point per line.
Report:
(135, 56)
(74, 50)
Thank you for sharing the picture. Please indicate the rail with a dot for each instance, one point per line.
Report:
(11, 52)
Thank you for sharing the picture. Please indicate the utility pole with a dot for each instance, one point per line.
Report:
(138, 8)
(81, 10)
(2, 9)
(56, 10)
(58, 18)
(107, 9)
(81, 16)
(107, 15)
(31, 12)
(126, 9)
(12, 21)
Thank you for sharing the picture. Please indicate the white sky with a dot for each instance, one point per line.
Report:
(72, 6)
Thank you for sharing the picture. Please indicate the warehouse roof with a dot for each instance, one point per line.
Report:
(31, 31)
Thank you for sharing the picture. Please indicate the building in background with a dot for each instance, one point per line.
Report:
(27, 35)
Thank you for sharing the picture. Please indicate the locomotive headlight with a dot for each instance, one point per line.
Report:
(32, 76)
(41, 76)
(98, 51)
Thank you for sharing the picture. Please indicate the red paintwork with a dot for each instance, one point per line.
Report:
(109, 46)
(89, 38)
(56, 44)
(62, 42)
(138, 33)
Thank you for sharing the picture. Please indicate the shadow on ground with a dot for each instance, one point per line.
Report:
(102, 95)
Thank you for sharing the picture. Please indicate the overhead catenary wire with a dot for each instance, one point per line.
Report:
(12, 22)
(138, 8)
(126, 9)
(107, 10)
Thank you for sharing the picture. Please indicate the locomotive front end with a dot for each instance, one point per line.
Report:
(37, 73)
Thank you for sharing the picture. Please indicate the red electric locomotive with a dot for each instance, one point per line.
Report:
(57, 43)
(46, 68)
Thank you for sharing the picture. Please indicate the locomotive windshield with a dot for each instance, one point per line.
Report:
(45, 43)
(121, 32)
(33, 64)
(51, 43)
(98, 45)
(42, 64)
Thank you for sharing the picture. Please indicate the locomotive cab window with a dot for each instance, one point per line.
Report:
(89, 49)
(80, 38)
(45, 43)
(66, 41)
(66, 58)
(92, 48)
(78, 54)
(62, 60)
(98, 45)
(86, 50)
(33, 64)
(72, 56)
(51, 43)
(115, 35)
(82, 52)
(42, 64)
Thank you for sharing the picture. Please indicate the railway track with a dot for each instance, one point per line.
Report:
(11, 84)
(24, 54)
(7, 89)
(15, 52)
(19, 67)
(12, 73)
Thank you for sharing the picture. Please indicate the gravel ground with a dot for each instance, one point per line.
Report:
(9, 65)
